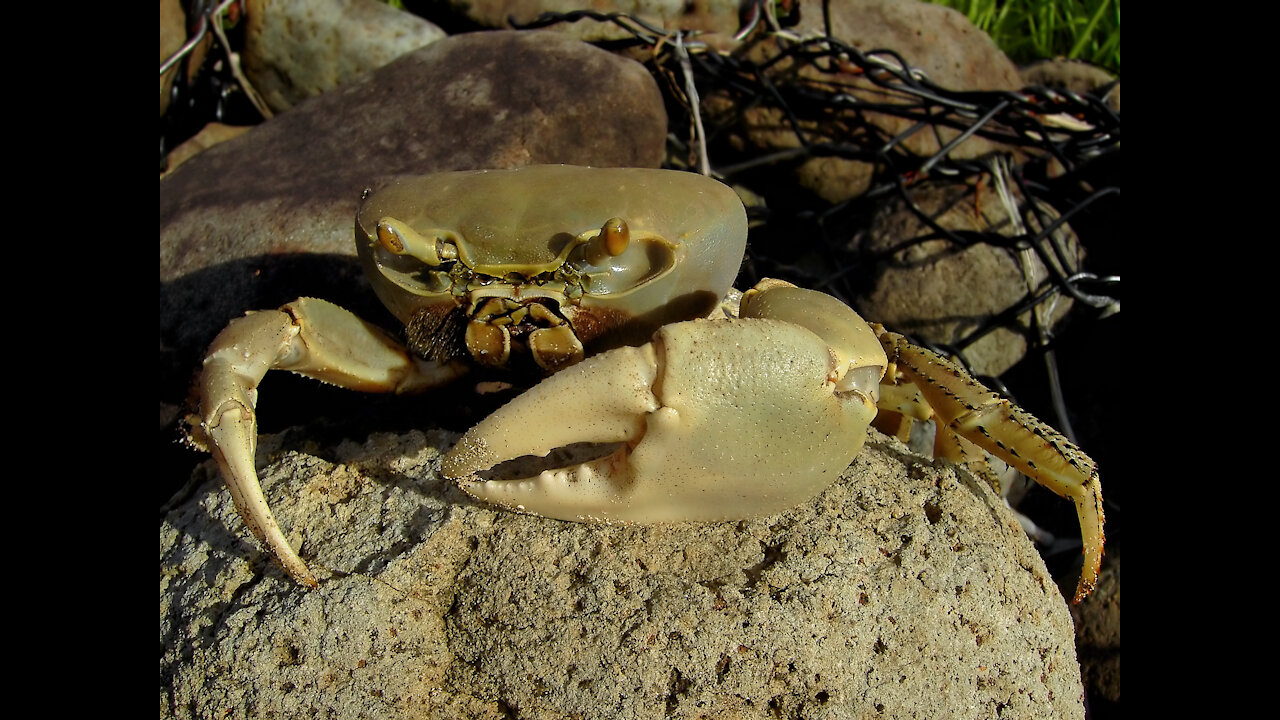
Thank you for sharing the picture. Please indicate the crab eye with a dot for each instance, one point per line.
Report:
(609, 243)
(615, 235)
(400, 239)
(614, 260)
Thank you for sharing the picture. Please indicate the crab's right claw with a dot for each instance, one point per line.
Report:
(310, 337)
(713, 420)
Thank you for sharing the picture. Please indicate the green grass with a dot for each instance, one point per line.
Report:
(1029, 30)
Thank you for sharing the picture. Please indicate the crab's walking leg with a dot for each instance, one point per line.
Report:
(310, 337)
(965, 407)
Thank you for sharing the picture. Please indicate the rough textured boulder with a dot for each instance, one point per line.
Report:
(905, 590)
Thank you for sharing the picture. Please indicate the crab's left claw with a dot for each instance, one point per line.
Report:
(713, 420)
(310, 337)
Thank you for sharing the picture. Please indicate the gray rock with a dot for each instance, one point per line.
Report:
(941, 292)
(1075, 75)
(267, 217)
(294, 49)
(905, 590)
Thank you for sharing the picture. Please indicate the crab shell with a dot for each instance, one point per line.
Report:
(519, 235)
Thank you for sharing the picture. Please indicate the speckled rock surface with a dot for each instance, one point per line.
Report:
(941, 292)
(295, 49)
(267, 217)
(906, 590)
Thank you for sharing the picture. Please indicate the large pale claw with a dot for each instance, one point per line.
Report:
(716, 420)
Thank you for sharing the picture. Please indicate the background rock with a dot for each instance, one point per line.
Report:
(905, 590)
(295, 49)
(940, 292)
(939, 41)
(936, 40)
(713, 16)
(1074, 75)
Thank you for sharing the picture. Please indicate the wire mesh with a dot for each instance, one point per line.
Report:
(1064, 145)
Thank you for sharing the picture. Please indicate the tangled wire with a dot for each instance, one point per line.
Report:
(1055, 147)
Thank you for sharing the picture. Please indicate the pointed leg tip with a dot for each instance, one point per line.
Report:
(1088, 576)
(301, 575)
(1084, 586)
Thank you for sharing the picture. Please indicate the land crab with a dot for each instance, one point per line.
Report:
(674, 416)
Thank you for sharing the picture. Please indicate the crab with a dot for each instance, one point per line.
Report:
(663, 404)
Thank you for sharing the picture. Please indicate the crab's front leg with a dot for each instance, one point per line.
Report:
(312, 338)
(713, 420)
(964, 407)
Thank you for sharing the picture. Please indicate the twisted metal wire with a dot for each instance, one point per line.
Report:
(1049, 125)
(827, 116)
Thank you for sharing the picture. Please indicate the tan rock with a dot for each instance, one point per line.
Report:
(905, 590)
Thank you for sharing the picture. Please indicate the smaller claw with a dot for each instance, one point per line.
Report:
(233, 438)
(237, 361)
(312, 338)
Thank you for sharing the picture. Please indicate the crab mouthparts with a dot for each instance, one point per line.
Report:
(498, 324)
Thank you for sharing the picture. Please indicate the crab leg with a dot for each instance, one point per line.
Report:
(965, 407)
(312, 338)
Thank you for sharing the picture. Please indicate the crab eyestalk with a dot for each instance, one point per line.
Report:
(398, 238)
(612, 241)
